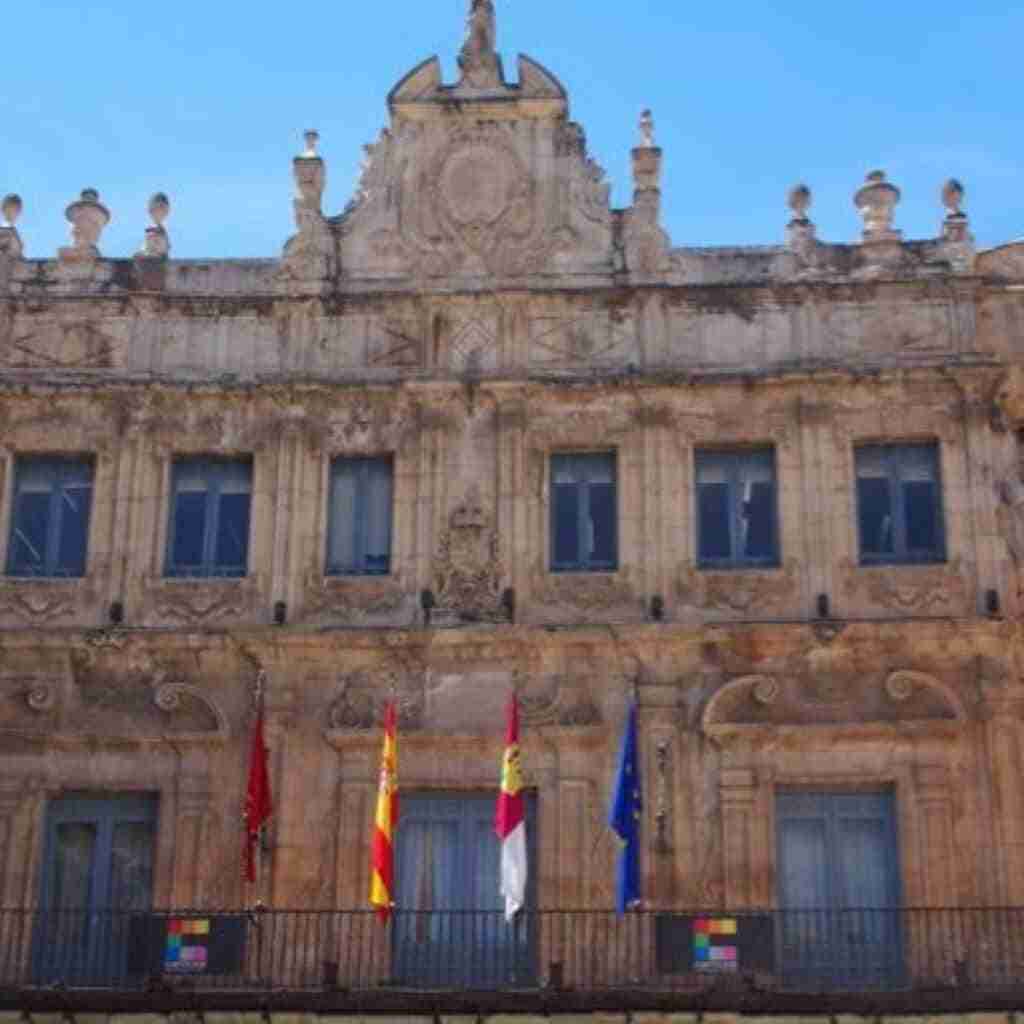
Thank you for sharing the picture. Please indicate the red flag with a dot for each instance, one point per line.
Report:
(382, 894)
(510, 819)
(258, 803)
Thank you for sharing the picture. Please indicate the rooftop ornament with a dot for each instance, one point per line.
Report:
(647, 130)
(876, 201)
(88, 217)
(157, 245)
(800, 231)
(10, 240)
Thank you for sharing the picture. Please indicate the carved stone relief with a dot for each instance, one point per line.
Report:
(587, 592)
(933, 588)
(201, 602)
(588, 338)
(738, 592)
(561, 701)
(468, 569)
(361, 695)
(352, 600)
(64, 344)
(44, 603)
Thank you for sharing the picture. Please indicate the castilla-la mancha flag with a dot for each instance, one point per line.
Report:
(510, 819)
(382, 868)
(258, 803)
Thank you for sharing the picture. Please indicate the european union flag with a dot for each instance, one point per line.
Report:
(624, 817)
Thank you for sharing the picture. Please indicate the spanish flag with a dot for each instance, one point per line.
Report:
(510, 819)
(382, 887)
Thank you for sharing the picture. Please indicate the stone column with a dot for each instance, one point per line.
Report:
(190, 824)
(1003, 705)
(739, 804)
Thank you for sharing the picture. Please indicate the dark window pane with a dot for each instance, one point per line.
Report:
(713, 519)
(377, 543)
(232, 543)
(758, 516)
(874, 507)
(566, 524)
(603, 527)
(921, 507)
(30, 533)
(189, 530)
(75, 503)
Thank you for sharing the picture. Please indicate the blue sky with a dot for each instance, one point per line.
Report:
(207, 101)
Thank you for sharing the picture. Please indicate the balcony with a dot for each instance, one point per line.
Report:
(899, 960)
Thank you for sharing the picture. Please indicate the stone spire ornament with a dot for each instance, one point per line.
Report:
(10, 240)
(157, 245)
(88, 217)
(647, 130)
(956, 229)
(876, 200)
(800, 232)
(309, 254)
(478, 59)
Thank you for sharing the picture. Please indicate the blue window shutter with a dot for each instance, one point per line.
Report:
(50, 518)
(359, 516)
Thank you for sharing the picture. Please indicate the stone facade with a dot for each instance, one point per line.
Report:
(476, 309)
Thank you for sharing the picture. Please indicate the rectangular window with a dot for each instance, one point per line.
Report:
(736, 508)
(209, 524)
(50, 518)
(899, 504)
(359, 517)
(584, 513)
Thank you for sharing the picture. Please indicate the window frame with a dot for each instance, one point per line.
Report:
(213, 469)
(364, 463)
(733, 458)
(900, 555)
(63, 467)
(581, 565)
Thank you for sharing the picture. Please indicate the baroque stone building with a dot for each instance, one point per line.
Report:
(482, 433)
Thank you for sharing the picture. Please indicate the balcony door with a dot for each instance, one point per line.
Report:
(97, 869)
(449, 927)
(839, 890)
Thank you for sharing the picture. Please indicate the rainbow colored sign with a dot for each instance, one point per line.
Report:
(188, 945)
(715, 944)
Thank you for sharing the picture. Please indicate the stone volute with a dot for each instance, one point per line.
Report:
(88, 217)
(876, 200)
(10, 240)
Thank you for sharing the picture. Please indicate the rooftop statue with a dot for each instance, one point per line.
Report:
(478, 60)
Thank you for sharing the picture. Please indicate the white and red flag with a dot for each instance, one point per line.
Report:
(510, 819)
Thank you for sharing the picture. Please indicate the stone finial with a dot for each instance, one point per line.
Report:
(647, 130)
(953, 198)
(157, 245)
(10, 240)
(310, 177)
(799, 201)
(11, 208)
(88, 217)
(956, 229)
(312, 139)
(800, 232)
(876, 200)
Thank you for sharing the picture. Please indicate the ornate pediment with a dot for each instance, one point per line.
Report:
(761, 705)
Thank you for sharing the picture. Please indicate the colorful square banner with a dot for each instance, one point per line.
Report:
(188, 945)
(715, 944)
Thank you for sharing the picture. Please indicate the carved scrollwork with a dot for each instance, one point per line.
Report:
(175, 697)
(590, 592)
(757, 704)
(41, 697)
(41, 603)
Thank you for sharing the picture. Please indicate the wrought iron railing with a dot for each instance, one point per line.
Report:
(825, 951)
